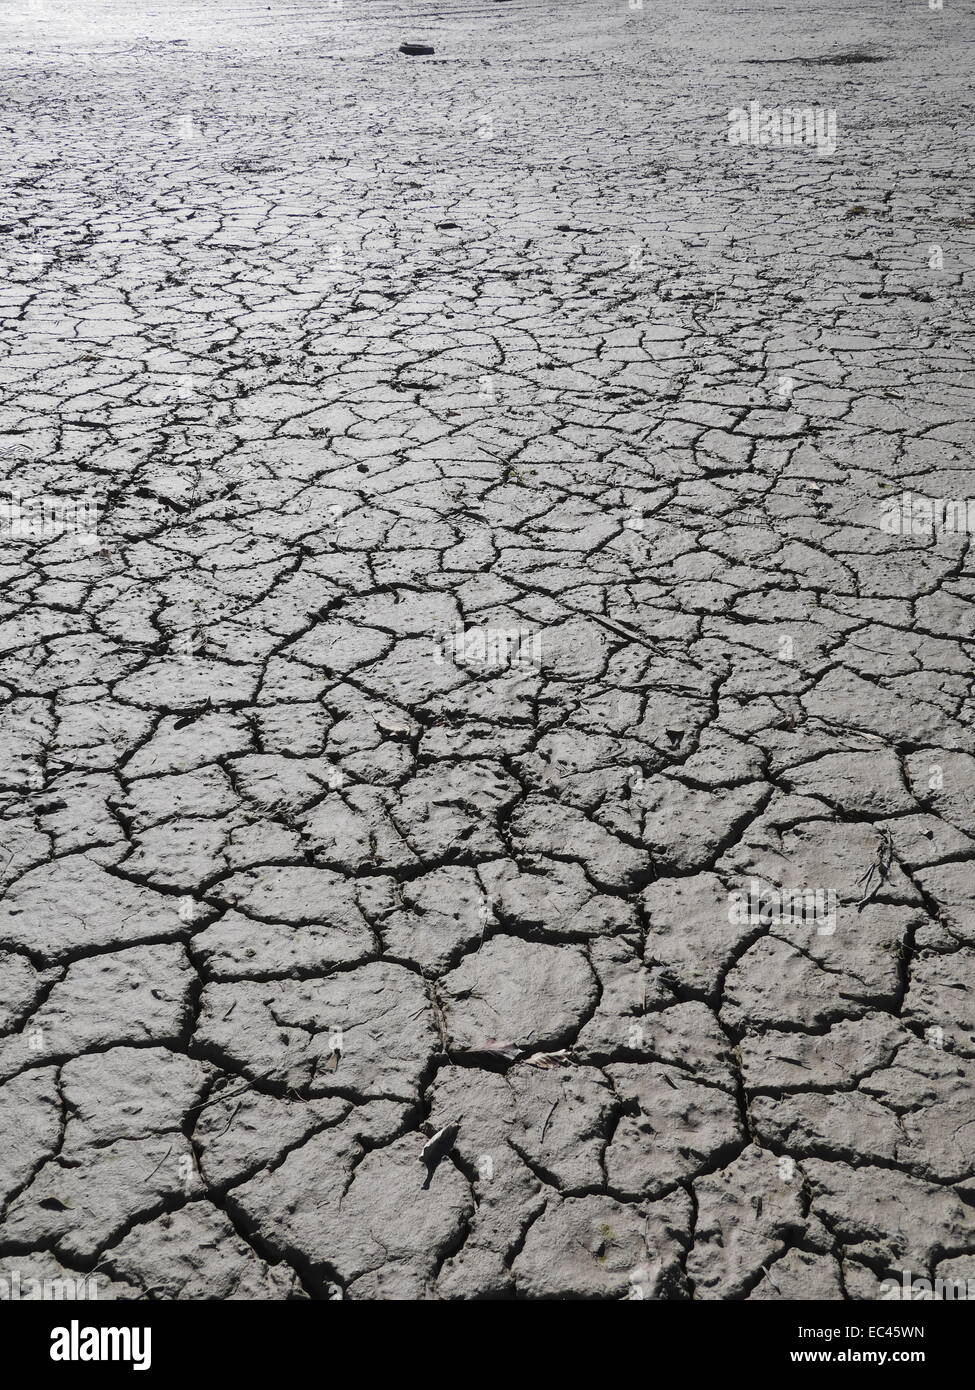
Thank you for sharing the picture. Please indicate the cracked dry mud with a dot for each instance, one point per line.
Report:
(356, 350)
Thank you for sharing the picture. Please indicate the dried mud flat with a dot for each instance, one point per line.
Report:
(343, 954)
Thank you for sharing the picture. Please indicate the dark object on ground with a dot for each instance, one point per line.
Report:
(828, 61)
(415, 50)
(842, 60)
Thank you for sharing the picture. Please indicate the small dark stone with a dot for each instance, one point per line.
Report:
(415, 50)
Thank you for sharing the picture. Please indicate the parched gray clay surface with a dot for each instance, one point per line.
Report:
(494, 597)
